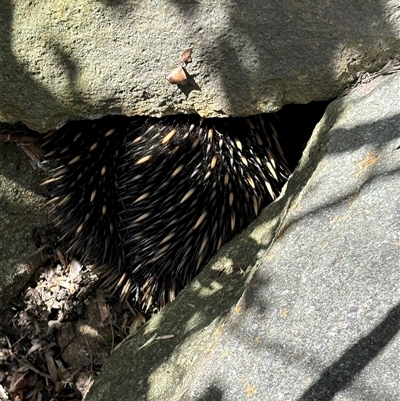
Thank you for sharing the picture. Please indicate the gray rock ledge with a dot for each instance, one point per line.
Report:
(69, 60)
(21, 210)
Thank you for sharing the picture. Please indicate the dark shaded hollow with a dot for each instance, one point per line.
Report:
(233, 153)
(298, 122)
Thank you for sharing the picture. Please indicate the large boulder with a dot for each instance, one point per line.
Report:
(317, 315)
(66, 60)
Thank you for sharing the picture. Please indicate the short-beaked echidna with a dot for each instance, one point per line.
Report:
(149, 201)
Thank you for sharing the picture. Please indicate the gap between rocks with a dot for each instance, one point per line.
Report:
(56, 336)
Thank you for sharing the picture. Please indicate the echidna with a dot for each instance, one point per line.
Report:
(150, 201)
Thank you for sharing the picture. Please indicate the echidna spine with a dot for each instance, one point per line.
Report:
(149, 201)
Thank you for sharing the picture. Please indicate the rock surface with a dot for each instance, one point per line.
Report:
(21, 210)
(77, 59)
(319, 318)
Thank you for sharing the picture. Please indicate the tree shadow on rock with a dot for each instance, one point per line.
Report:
(342, 373)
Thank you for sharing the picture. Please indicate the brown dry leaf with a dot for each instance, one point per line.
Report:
(138, 321)
(59, 387)
(21, 381)
(104, 310)
(63, 374)
(62, 282)
(83, 383)
(34, 295)
(61, 257)
(51, 366)
(34, 348)
(73, 288)
(75, 269)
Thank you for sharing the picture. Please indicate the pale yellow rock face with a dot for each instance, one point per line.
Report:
(64, 60)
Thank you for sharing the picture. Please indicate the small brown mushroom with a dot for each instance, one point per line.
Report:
(177, 76)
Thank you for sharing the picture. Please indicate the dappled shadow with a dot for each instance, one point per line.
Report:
(245, 18)
(385, 131)
(341, 373)
(210, 297)
(17, 85)
(211, 393)
(72, 68)
(282, 26)
(380, 136)
(248, 49)
(205, 300)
